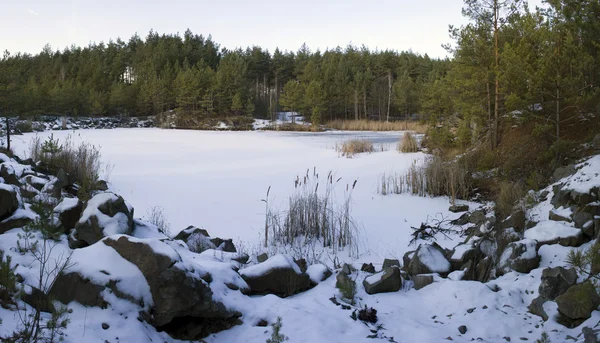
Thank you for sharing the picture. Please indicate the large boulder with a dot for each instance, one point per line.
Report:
(9, 200)
(519, 256)
(183, 304)
(104, 215)
(73, 286)
(318, 273)
(7, 172)
(556, 281)
(422, 280)
(278, 275)
(537, 307)
(198, 240)
(69, 211)
(19, 218)
(578, 302)
(428, 259)
(387, 280)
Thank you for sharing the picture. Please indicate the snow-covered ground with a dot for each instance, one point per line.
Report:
(216, 180)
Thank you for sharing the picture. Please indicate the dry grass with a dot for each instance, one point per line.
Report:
(435, 177)
(156, 216)
(508, 196)
(408, 143)
(81, 162)
(370, 125)
(355, 146)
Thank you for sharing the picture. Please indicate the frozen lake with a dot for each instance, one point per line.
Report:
(216, 180)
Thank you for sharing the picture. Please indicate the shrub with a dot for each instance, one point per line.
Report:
(313, 216)
(81, 162)
(276, 335)
(355, 146)
(156, 216)
(24, 126)
(368, 315)
(408, 143)
(8, 279)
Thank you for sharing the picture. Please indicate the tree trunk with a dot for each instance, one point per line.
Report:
(489, 108)
(356, 104)
(365, 103)
(496, 77)
(557, 113)
(389, 95)
(7, 132)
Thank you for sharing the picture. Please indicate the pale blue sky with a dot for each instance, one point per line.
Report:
(27, 25)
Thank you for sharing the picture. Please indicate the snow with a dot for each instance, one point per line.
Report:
(548, 230)
(433, 259)
(216, 180)
(276, 262)
(316, 272)
(586, 178)
(66, 204)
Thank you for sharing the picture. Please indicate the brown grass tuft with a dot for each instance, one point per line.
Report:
(355, 146)
(369, 125)
(408, 143)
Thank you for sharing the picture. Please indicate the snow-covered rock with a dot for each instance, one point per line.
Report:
(429, 258)
(318, 273)
(104, 215)
(519, 256)
(387, 280)
(9, 200)
(279, 275)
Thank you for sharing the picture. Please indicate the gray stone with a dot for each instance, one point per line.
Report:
(582, 199)
(462, 329)
(101, 185)
(281, 281)
(69, 217)
(302, 264)
(38, 300)
(344, 282)
(406, 259)
(91, 230)
(224, 244)
(477, 217)
(557, 217)
(9, 202)
(519, 256)
(578, 301)
(15, 221)
(347, 269)
(458, 208)
(516, 220)
(556, 281)
(581, 218)
(589, 336)
(72, 286)
(422, 280)
(7, 172)
(537, 307)
(428, 259)
(562, 172)
(390, 263)
(388, 280)
(262, 257)
(369, 268)
(105, 326)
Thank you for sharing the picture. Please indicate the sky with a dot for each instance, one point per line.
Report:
(417, 25)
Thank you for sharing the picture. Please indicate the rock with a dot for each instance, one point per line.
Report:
(483, 270)
(519, 256)
(18, 219)
(9, 201)
(35, 182)
(582, 218)
(64, 179)
(37, 299)
(344, 282)
(516, 220)
(74, 241)
(578, 301)
(241, 258)
(592, 208)
(561, 196)
(369, 268)
(589, 336)
(537, 308)
(390, 263)
(196, 239)
(183, 305)
(581, 198)
(105, 326)
(101, 185)
(556, 281)
(406, 259)
(477, 217)
(302, 264)
(458, 208)
(318, 273)
(262, 257)
(596, 142)
(104, 215)
(558, 217)
(347, 269)
(462, 220)
(388, 280)
(278, 275)
(72, 286)
(422, 280)
(69, 211)
(7, 172)
(462, 329)
(428, 259)
(224, 244)
(562, 172)
(463, 253)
